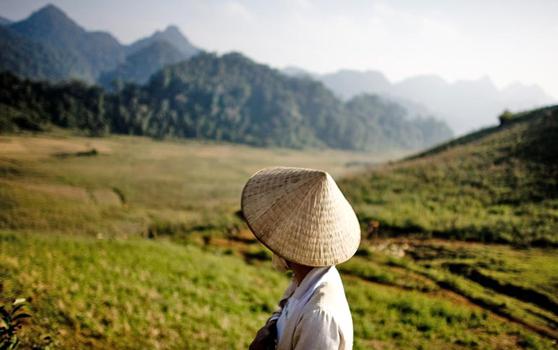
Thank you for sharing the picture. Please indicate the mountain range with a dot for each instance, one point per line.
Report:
(91, 56)
(226, 98)
(464, 104)
(181, 91)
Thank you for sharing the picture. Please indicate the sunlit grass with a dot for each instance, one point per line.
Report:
(155, 294)
(136, 294)
(501, 187)
(133, 182)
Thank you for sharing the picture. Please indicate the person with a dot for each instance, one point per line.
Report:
(304, 219)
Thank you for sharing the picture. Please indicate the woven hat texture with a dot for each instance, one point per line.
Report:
(301, 215)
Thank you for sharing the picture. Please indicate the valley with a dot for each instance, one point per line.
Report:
(129, 242)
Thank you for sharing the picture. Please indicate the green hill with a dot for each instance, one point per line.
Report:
(496, 185)
(140, 65)
(27, 58)
(91, 52)
(226, 98)
(149, 55)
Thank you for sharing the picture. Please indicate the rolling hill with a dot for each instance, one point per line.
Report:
(499, 184)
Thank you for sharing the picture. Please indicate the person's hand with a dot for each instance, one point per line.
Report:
(266, 337)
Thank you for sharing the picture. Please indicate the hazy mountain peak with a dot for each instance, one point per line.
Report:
(50, 25)
(347, 83)
(51, 15)
(172, 35)
(172, 30)
(4, 21)
(50, 9)
(295, 71)
(484, 85)
(532, 88)
(140, 65)
(91, 52)
(429, 79)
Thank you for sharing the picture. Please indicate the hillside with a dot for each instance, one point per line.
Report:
(496, 185)
(149, 55)
(226, 98)
(252, 103)
(141, 64)
(27, 58)
(93, 52)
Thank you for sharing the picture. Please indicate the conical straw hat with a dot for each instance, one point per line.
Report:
(301, 215)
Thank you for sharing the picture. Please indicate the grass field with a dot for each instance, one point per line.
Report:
(130, 243)
(497, 185)
(134, 293)
(126, 185)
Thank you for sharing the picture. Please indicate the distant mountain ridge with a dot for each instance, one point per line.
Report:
(349, 83)
(171, 35)
(94, 52)
(4, 21)
(464, 104)
(147, 56)
(141, 64)
(88, 55)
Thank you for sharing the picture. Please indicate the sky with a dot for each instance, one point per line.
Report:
(506, 40)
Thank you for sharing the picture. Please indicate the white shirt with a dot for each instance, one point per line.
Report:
(316, 314)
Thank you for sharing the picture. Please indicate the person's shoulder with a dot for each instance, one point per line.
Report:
(329, 298)
(328, 309)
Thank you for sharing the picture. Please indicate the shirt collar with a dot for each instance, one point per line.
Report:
(311, 281)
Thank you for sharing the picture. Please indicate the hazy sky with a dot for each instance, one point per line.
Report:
(508, 40)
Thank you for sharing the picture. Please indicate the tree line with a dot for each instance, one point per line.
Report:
(226, 98)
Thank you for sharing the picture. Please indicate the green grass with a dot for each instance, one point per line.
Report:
(520, 295)
(135, 183)
(156, 294)
(499, 186)
(136, 293)
(73, 238)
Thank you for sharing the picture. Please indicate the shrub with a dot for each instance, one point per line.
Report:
(10, 323)
(505, 117)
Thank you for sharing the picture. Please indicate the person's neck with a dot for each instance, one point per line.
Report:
(299, 271)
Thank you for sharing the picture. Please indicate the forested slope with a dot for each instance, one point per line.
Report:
(227, 98)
